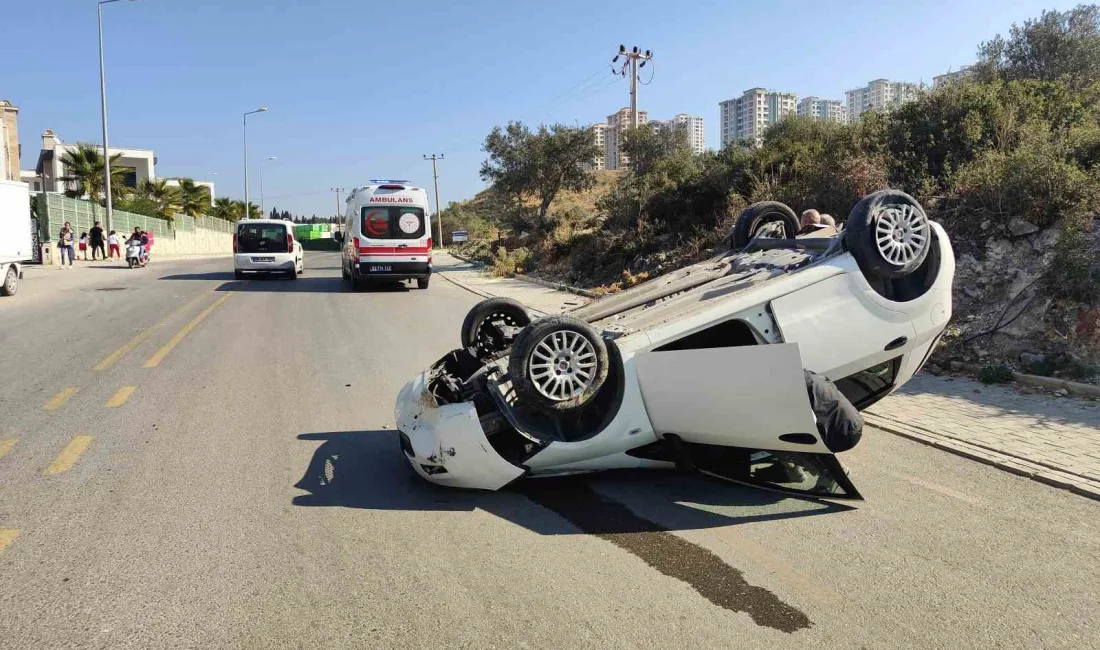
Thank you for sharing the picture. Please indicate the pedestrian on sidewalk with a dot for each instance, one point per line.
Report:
(84, 246)
(95, 238)
(112, 241)
(65, 244)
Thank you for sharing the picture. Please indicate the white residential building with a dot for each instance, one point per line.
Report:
(138, 164)
(748, 116)
(880, 94)
(599, 135)
(9, 141)
(823, 110)
(942, 80)
(693, 124)
(617, 124)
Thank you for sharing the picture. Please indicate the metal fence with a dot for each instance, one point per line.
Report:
(55, 209)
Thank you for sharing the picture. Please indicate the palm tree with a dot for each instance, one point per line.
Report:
(194, 198)
(253, 211)
(225, 208)
(166, 197)
(84, 168)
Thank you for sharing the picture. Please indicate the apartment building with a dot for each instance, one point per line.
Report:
(942, 80)
(599, 136)
(880, 94)
(823, 110)
(693, 124)
(748, 116)
(617, 124)
(9, 141)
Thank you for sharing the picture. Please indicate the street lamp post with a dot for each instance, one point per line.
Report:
(262, 213)
(258, 110)
(103, 116)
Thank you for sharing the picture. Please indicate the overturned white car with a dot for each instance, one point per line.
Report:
(750, 366)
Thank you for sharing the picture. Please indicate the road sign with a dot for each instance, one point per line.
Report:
(459, 235)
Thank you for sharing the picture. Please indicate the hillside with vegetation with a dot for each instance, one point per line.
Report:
(1008, 161)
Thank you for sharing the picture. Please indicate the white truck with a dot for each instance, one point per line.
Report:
(15, 234)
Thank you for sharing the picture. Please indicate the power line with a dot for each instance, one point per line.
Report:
(630, 60)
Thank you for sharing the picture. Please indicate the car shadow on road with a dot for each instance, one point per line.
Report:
(281, 284)
(366, 469)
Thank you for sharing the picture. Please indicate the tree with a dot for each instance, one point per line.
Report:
(194, 199)
(84, 167)
(167, 198)
(1058, 46)
(533, 167)
(225, 208)
(253, 210)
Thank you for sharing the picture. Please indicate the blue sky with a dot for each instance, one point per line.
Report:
(359, 90)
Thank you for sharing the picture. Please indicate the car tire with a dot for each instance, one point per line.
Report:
(759, 214)
(889, 234)
(486, 344)
(357, 284)
(294, 274)
(422, 283)
(11, 282)
(239, 275)
(558, 364)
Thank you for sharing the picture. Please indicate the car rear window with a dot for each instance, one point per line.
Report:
(261, 238)
(392, 222)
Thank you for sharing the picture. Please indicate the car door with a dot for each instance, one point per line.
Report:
(749, 396)
(377, 245)
(741, 414)
(409, 230)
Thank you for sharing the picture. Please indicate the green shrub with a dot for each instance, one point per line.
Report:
(1074, 272)
(506, 264)
(995, 374)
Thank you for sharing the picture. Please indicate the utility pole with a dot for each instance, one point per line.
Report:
(438, 211)
(337, 190)
(631, 60)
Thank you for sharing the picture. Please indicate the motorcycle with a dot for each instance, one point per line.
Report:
(135, 254)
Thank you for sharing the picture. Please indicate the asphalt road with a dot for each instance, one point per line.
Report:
(188, 461)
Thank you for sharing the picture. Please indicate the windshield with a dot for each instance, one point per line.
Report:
(393, 222)
(261, 238)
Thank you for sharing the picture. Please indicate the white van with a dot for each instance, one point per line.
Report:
(266, 247)
(387, 235)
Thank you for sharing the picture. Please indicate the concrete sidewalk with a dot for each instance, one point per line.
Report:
(1055, 440)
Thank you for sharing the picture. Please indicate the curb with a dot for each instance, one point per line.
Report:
(1033, 470)
(1072, 387)
(468, 260)
(484, 294)
(557, 285)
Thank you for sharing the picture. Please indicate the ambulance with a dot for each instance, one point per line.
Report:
(387, 235)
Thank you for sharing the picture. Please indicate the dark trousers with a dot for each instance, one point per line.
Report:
(98, 246)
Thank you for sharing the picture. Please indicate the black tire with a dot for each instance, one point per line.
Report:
(357, 284)
(238, 275)
(422, 283)
(489, 343)
(901, 224)
(757, 215)
(11, 282)
(294, 274)
(576, 390)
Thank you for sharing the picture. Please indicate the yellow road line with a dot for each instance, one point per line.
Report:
(144, 334)
(7, 536)
(120, 397)
(6, 445)
(58, 400)
(69, 455)
(175, 340)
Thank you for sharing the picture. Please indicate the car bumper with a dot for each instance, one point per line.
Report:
(246, 264)
(445, 444)
(396, 270)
